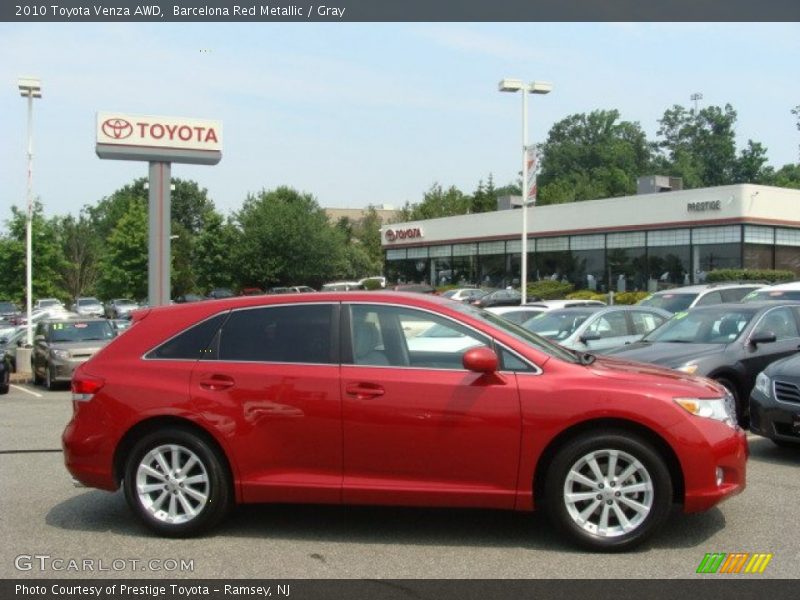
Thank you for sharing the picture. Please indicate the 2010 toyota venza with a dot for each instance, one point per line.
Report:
(327, 399)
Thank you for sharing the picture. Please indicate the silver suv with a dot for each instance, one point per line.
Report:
(683, 298)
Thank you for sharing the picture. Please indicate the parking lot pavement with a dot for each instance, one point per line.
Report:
(43, 515)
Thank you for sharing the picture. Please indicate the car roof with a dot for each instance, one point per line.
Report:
(792, 285)
(696, 289)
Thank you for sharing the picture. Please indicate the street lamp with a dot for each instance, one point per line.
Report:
(535, 87)
(30, 88)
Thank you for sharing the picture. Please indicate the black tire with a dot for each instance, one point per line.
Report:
(217, 487)
(6, 385)
(787, 445)
(49, 383)
(36, 379)
(742, 408)
(629, 450)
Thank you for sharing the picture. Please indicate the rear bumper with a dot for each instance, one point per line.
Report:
(88, 453)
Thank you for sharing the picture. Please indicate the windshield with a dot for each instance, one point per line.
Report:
(81, 331)
(721, 325)
(88, 301)
(7, 307)
(557, 325)
(519, 333)
(760, 295)
(671, 302)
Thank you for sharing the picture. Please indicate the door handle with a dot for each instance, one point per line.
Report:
(364, 391)
(217, 383)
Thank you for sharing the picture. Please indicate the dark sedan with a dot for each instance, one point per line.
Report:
(499, 298)
(775, 403)
(730, 343)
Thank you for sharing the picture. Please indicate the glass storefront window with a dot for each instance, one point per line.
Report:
(668, 266)
(708, 257)
(757, 256)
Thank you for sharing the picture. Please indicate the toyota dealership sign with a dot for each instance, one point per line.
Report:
(145, 131)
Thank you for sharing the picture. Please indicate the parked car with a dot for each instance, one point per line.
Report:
(60, 345)
(342, 286)
(88, 307)
(302, 289)
(251, 291)
(499, 298)
(464, 294)
(10, 341)
(596, 328)
(218, 293)
(319, 399)
(782, 291)
(48, 303)
(683, 298)
(730, 343)
(120, 308)
(56, 311)
(416, 288)
(379, 278)
(8, 310)
(184, 298)
(517, 314)
(120, 325)
(775, 402)
(5, 374)
(557, 304)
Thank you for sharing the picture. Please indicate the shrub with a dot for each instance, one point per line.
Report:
(587, 295)
(770, 275)
(372, 284)
(549, 290)
(630, 297)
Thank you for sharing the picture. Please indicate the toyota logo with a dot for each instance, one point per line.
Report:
(391, 235)
(118, 129)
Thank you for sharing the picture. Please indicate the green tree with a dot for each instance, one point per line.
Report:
(214, 246)
(700, 147)
(787, 176)
(47, 260)
(594, 155)
(123, 266)
(366, 233)
(437, 202)
(80, 249)
(285, 238)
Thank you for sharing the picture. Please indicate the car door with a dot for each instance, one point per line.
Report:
(613, 330)
(275, 374)
(783, 322)
(418, 428)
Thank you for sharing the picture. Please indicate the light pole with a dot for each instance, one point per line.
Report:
(535, 87)
(30, 88)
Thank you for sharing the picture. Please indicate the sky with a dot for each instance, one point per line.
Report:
(375, 113)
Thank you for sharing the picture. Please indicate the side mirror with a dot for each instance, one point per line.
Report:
(480, 360)
(589, 337)
(763, 337)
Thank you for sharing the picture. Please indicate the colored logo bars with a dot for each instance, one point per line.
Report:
(737, 562)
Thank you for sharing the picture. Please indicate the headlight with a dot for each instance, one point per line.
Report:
(690, 368)
(714, 408)
(764, 384)
(62, 354)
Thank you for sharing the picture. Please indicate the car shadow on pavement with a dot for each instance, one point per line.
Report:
(100, 511)
(764, 450)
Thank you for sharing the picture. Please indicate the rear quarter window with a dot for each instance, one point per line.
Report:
(192, 344)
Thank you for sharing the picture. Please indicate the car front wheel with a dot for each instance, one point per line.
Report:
(608, 491)
(177, 483)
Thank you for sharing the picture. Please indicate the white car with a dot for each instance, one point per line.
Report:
(683, 298)
(464, 294)
(567, 303)
(342, 286)
(439, 338)
(782, 291)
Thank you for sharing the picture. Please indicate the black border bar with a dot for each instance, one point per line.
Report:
(397, 10)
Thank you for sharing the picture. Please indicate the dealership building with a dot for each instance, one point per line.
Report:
(654, 239)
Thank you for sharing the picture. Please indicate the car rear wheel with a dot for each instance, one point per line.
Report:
(49, 381)
(6, 385)
(36, 379)
(177, 483)
(608, 491)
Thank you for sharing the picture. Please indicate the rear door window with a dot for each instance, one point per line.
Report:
(300, 333)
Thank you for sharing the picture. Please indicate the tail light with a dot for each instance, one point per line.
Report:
(84, 387)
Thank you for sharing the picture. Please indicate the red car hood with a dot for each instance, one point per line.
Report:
(657, 377)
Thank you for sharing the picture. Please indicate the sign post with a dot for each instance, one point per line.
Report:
(160, 141)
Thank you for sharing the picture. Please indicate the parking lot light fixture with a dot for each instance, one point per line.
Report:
(30, 88)
(535, 87)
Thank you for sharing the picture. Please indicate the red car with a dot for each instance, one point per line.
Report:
(324, 398)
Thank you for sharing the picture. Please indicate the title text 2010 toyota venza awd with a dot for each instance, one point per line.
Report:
(326, 399)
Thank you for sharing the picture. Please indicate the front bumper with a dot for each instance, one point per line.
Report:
(63, 368)
(726, 452)
(773, 419)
